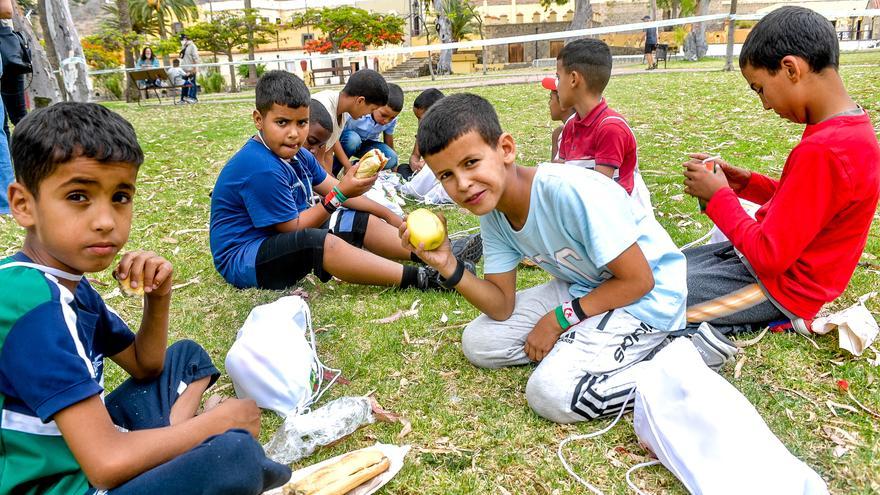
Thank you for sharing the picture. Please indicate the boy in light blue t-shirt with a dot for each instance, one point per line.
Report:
(619, 285)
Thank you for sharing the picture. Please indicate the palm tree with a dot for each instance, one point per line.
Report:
(160, 12)
(463, 19)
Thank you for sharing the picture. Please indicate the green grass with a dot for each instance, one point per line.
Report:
(493, 442)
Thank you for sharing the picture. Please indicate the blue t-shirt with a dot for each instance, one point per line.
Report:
(580, 220)
(52, 349)
(368, 129)
(254, 191)
(651, 36)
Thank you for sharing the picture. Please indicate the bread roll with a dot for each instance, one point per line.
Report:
(370, 164)
(342, 476)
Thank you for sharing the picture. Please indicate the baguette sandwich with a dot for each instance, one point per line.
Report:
(370, 164)
(349, 472)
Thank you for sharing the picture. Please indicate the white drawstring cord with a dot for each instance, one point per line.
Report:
(638, 466)
(591, 435)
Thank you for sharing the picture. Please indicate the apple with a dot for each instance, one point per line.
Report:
(425, 227)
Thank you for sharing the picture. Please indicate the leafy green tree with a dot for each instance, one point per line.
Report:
(228, 32)
(349, 28)
(155, 15)
(463, 18)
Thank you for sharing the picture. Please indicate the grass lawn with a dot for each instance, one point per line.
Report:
(481, 434)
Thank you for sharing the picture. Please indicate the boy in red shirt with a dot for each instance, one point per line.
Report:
(802, 248)
(597, 137)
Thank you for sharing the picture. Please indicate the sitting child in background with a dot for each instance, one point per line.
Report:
(421, 105)
(362, 135)
(266, 233)
(76, 166)
(557, 114)
(598, 137)
(802, 247)
(365, 91)
(619, 284)
(320, 128)
(176, 75)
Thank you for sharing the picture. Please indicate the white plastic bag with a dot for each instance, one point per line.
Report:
(425, 187)
(708, 434)
(273, 360)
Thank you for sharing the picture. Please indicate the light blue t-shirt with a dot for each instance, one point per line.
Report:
(368, 129)
(579, 221)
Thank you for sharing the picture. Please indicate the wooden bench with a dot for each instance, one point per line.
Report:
(150, 77)
(333, 71)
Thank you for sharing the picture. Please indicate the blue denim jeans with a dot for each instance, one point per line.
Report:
(355, 146)
(6, 173)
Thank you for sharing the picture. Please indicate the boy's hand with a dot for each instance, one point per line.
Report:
(416, 163)
(239, 413)
(353, 187)
(543, 337)
(702, 183)
(737, 178)
(147, 268)
(440, 258)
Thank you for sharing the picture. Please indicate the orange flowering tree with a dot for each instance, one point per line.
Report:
(349, 28)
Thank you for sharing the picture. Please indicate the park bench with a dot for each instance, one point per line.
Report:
(149, 78)
(333, 71)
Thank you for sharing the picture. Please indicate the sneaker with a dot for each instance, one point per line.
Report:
(713, 346)
(468, 248)
(429, 278)
(802, 326)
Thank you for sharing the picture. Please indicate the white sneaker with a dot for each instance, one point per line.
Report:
(713, 346)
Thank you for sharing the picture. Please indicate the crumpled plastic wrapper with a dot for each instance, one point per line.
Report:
(394, 453)
(300, 435)
(856, 326)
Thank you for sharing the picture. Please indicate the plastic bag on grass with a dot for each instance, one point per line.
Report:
(299, 436)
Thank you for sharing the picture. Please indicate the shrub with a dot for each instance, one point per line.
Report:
(243, 71)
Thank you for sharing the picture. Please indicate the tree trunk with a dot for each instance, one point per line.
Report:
(232, 87)
(675, 9)
(695, 46)
(163, 32)
(583, 15)
(43, 85)
(51, 54)
(68, 50)
(131, 90)
(252, 69)
(444, 30)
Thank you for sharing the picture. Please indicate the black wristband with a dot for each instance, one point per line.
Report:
(453, 280)
(578, 311)
(328, 206)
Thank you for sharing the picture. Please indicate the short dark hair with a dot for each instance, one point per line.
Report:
(369, 84)
(455, 116)
(176, 62)
(591, 58)
(427, 98)
(52, 136)
(318, 114)
(794, 31)
(395, 97)
(281, 88)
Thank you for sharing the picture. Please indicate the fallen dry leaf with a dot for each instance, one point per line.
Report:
(737, 370)
(407, 428)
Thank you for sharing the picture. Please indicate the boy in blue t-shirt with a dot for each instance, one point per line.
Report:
(266, 233)
(76, 166)
(362, 135)
(619, 285)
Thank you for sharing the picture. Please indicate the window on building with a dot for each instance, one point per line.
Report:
(307, 37)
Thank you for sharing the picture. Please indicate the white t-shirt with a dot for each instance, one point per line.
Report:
(580, 220)
(330, 100)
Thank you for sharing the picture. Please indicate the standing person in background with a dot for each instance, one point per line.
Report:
(6, 174)
(189, 56)
(650, 44)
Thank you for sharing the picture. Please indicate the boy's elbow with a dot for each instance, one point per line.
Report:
(646, 284)
(107, 473)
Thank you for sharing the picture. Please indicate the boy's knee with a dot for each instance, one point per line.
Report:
(239, 455)
(476, 343)
(187, 348)
(392, 158)
(547, 399)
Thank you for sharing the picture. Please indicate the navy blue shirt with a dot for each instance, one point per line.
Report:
(255, 191)
(651, 36)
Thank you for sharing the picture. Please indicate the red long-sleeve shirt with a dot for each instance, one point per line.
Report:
(807, 237)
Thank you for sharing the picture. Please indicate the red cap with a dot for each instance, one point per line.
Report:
(549, 83)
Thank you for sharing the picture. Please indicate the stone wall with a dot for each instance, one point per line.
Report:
(500, 54)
